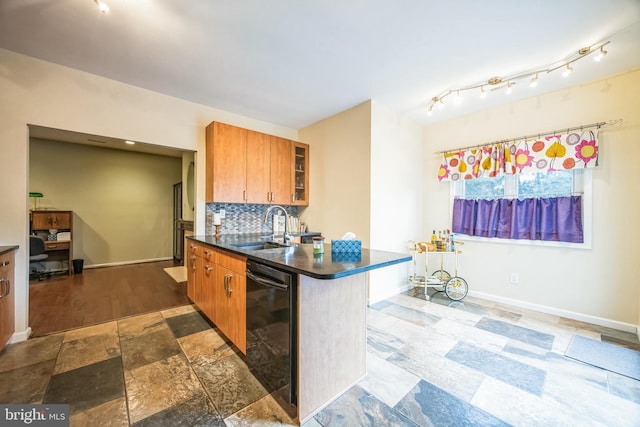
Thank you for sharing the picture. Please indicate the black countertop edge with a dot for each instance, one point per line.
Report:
(299, 259)
(6, 249)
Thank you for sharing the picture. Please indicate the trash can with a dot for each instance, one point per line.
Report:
(77, 266)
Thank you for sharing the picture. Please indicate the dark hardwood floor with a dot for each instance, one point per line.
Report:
(97, 295)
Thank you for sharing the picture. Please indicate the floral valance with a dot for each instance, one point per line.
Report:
(543, 154)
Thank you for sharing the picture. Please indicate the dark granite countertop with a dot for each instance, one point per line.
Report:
(300, 258)
(5, 249)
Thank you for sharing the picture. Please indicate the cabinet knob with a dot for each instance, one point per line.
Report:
(206, 267)
(5, 263)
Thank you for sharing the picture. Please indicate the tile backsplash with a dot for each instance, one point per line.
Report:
(243, 218)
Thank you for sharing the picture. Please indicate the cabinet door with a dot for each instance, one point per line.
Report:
(41, 220)
(226, 158)
(258, 169)
(7, 291)
(300, 173)
(207, 290)
(192, 276)
(280, 171)
(62, 220)
(236, 306)
(221, 307)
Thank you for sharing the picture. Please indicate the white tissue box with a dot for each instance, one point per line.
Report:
(346, 246)
(64, 235)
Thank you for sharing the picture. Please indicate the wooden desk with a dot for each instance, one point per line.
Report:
(58, 250)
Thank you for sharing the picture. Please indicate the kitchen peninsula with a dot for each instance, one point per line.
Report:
(329, 308)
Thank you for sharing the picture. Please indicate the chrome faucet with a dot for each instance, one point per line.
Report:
(287, 237)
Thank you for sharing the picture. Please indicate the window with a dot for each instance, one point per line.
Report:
(526, 185)
(556, 184)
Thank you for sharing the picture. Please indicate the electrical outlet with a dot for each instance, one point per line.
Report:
(514, 279)
(223, 213)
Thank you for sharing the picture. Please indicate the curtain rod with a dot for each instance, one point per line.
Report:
(539, 135)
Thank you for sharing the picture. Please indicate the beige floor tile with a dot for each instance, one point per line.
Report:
(264, 413)
(87, 350)
(110, 414)
(160, 385)
(178, 311)
(109, 328)
(138, 325)
(30, 352)
(204, 347)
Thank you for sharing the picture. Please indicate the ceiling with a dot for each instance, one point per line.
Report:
(293, 62)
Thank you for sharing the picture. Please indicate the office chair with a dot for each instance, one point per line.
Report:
(36, 256)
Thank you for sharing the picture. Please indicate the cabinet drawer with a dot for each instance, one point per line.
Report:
(232, 262)
(6, 264)
(194, 248)
(54, 245)
(209, 254)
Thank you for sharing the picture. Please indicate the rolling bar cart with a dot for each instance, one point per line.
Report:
(454, 287)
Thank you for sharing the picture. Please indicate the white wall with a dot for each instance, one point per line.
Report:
(45, 94)
(122, 200)
(599, 284)
(340, 171)
(366, 178)
(396, 195)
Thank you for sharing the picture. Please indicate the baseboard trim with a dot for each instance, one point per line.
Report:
(20, 336)
(601, 321)
(139, 261)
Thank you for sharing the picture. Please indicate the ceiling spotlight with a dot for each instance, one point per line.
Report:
(534, 81)
(568, 71)
(600, 55)
(102, 6)
(130, 143)
(457, 100)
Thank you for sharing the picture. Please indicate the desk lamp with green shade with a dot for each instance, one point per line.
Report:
(35, 196)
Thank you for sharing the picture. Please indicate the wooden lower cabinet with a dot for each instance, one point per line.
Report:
(7, 292)
(208, 289)
(216, 283)
(230, 315)
(192, 264)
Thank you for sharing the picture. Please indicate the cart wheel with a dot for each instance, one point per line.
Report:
(456, 288)
(443, 276)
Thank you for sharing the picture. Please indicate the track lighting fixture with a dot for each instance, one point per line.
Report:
(600, 54)
(507, 82)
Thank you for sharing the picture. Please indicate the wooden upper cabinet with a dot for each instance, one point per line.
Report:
(226, 156)
(44, 220)
(300, 173)
(245, 166)
(280, 171)
(258, 166)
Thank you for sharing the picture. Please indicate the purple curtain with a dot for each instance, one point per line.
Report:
(557, 219)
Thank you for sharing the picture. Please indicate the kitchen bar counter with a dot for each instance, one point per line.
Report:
(331, 320)
(300, 259)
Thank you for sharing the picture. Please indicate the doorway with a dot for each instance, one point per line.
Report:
(121, 198)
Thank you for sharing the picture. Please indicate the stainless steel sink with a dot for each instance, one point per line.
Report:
(259, 246)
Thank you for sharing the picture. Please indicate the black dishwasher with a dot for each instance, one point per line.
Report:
(272, 329)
